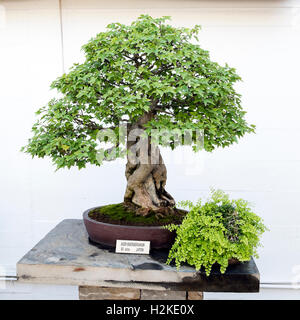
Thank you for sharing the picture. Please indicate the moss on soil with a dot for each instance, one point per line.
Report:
(123, 214)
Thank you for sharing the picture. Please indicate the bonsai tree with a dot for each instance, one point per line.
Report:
(149, 76)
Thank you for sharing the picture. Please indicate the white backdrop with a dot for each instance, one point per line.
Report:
(259, 38)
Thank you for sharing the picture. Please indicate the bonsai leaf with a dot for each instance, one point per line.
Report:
(147, 67)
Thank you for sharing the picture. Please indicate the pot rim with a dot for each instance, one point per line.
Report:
(86, 217)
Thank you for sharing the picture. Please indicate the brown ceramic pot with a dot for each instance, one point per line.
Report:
(107, 234)
(233, 261)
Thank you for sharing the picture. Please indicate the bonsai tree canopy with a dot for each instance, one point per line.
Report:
(149, 76)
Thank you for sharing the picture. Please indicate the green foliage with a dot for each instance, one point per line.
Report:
(216, 231)
(128, 70)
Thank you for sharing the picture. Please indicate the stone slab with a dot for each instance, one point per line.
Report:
(65, 256)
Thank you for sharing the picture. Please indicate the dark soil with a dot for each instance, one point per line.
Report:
(129, 214)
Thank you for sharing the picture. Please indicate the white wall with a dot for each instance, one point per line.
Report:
(259, 38)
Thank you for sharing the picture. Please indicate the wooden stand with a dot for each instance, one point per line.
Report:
(65, 256)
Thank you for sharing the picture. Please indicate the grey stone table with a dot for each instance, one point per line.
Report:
(66, 256)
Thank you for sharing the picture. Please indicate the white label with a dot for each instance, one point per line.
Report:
(132, 246)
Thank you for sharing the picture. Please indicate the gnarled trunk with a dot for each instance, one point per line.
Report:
(146, 186)
(146, 176)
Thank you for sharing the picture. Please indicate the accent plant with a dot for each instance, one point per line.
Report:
(215, 232)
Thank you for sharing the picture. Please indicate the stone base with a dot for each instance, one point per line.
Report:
(162, 295)
(194, 295)
(103, 293)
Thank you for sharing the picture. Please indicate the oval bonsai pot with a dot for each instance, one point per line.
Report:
(106, 233)
(233, 261)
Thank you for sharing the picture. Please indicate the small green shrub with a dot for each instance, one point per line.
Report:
(216, 231)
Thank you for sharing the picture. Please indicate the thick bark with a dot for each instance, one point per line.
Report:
(146, 173)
